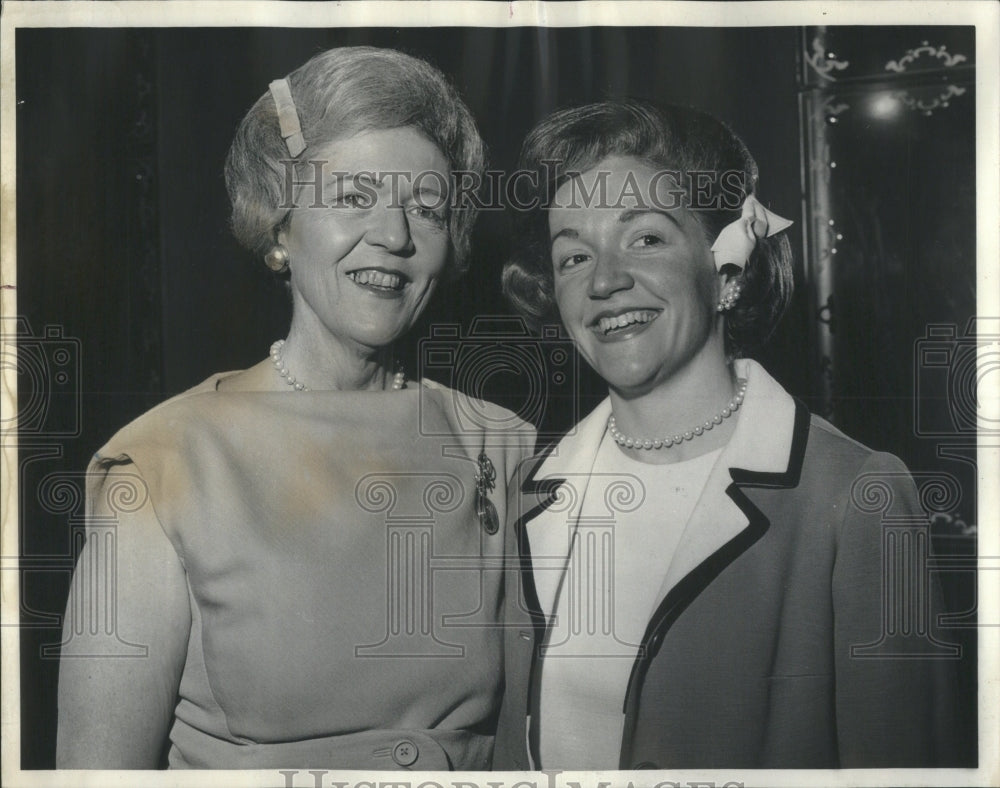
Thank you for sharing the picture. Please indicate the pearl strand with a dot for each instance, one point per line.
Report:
(398, 380)
(701, 429)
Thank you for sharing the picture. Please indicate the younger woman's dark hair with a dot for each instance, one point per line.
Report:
(702, 153)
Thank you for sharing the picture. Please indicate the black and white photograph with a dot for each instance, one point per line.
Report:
(500, 394)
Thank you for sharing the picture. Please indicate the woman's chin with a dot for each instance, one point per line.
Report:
(627, 378)
(385, 340)
(376, 336)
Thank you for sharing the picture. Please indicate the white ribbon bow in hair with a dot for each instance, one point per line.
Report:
(738, 239)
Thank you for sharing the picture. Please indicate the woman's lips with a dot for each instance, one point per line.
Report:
(378, 281)
(622, 322)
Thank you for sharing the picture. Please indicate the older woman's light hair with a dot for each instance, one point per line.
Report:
(338, 94)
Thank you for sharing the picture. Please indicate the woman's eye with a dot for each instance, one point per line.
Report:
(353, 200)
(437, 217)
(572, 260)
(647, 239)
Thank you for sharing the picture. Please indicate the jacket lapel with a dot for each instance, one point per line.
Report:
(552, 495)
(761, 444)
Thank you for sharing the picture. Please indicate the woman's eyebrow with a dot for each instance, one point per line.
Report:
(623, 218)
(634, 213)
(432, 190)
(566, 232)
(343, 176)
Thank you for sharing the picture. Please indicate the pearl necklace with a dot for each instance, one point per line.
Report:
(398, 380)
(701, 429)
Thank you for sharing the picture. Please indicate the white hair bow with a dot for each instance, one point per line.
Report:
(738, 239)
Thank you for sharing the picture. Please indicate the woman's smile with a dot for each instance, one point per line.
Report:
(380, 282)
(623, 324)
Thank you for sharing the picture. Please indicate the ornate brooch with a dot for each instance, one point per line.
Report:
(486, 476)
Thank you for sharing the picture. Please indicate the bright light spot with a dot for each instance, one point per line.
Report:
(884, 106)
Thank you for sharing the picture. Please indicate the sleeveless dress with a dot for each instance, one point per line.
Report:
(345, 597)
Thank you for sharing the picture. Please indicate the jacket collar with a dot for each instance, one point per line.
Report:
(576, 451)
(760, 446)
(562, 475)
(761, 443)
(765, 450)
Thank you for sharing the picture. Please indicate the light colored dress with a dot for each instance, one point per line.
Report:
(344, 593)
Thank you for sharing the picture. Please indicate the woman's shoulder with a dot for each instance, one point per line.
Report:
(477, 413)
(838, 468)
(480, 425)
(143, 469)
(830, 443)
(161, 425)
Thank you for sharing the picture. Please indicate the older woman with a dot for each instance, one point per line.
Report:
(305, 556)
(702, 588)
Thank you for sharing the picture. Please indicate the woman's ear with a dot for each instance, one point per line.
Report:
(276, 258)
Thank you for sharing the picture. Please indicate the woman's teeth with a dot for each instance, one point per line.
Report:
(377, 279)
(606, 324)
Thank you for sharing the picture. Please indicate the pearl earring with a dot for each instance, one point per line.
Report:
(277, 259)
(729, 297)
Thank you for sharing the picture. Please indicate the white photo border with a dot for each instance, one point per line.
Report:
(983, 14)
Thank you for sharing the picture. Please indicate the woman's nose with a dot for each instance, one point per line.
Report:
(389, 229)
(608, 276)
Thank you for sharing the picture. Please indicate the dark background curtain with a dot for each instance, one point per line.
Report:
(131, 289)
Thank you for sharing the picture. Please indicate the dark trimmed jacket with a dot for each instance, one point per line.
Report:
(778, 641)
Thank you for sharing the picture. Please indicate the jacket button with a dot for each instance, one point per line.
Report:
(405, 752)
(645, 765)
